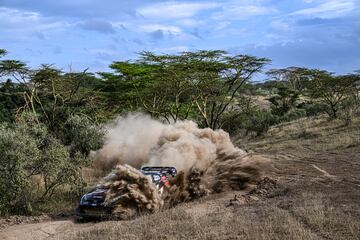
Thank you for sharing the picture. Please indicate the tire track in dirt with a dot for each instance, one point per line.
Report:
(305, 224)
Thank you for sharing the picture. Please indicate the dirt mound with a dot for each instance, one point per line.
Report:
(268, 188)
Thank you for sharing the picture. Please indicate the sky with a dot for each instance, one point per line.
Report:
(79, 34)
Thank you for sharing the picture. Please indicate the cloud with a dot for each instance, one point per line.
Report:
(222, 24)
(196, 33)
(238, 10)
(98, 25)
(318, 21)
(172, 50)
(57, 50)
(312, 54)
(139, 42)
(16, 19)
(76, 8)
(148, 28)
(328, 9)
(296, 32)
(174, 10)
(189, 22)
(280, 25)
(17, 25)
(38, 34)
(157, 35)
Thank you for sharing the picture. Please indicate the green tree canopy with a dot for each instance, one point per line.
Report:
(200, 85)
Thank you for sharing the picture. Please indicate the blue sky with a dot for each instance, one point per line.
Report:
(78, 34)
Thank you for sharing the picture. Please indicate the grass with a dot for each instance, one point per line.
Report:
(325, 218)
(319, 134)
(266, 222)
(311, 219)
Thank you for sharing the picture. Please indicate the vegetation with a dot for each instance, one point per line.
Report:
(199, 85)
(51, 120)
(332, 90)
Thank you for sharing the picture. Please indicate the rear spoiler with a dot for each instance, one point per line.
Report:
(167, 170)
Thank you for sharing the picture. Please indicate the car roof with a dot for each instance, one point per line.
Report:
(151, 173)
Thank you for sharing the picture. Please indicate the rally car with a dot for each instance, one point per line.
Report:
(92, 204)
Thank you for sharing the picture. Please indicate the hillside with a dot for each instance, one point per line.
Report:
(315, 196)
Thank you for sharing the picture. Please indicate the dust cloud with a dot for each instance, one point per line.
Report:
(206, 159)
(130, 192)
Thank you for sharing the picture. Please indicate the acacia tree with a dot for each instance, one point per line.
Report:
(2, 52)
(331, 90)
(351, 104)
(17, 71)
(59, 95)
(220, 77)
(50, 94)
(295, 77)
(200, 85)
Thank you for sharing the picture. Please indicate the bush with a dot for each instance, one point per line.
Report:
(259, 121)
(17, 149)
(350, 107)
(29, 150)
(256, 121)
(82, 135)
(284, 101)
(314, 109)
(293, 115)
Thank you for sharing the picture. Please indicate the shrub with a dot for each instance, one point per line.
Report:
(259, 121)
(29, 150)
(256, 121)
(314, 109)
(17, 149)
(350, 107)
(82, 135)
(293, 115)
(284, 101)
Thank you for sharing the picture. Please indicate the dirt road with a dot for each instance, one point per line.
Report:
(42, 230)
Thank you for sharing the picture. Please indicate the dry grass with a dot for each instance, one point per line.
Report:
(310, 218)
(266, 222)
(327, 220)
(317, 133)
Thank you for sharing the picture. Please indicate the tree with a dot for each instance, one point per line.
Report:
(351, 103)
(331, 90)
(284, 100)
(200, 85)
(218, 80)
(11, 98)
(2, 52)
(295, 77)
(20, 73)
